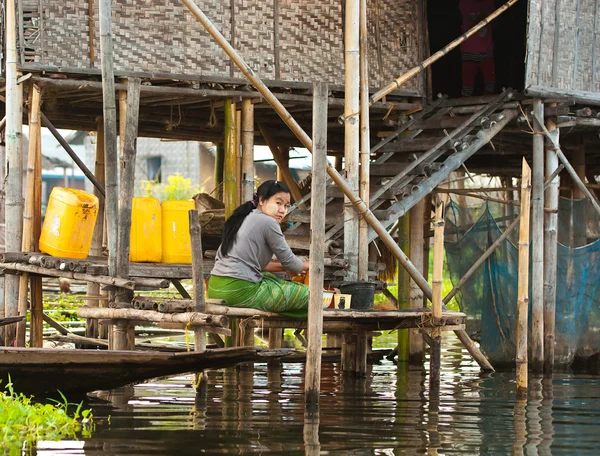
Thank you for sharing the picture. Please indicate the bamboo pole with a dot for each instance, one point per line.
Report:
(194, 318)
(352, 127)
(197, 277)
(110, 135)
(317, 245)
(13, 179)
(523, 286)
(389, 88)
(37, 305)
(71, 153)
(333, 173)
(247, 150)
(568, 167)
(438, 260)
(417, 214)
(550, 251)
(93, 289)
(27, 241)
(365, 143)
(238, 153)
(230, 160)
(537, 245)
(403, 287)
(218, 175)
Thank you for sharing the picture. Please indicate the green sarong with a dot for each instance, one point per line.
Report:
(271, 294)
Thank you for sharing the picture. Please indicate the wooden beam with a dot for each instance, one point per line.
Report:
(523, 286)
(317, 245)
(550, 251)
(537, 245)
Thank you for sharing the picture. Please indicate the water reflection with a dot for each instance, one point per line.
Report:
(260, 409)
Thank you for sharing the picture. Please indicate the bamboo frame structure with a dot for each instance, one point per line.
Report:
(550, 250)
(389, 88)
(523, 286)
(537, 244)
(13, 179)
(351, 132)
(365, 143)
(317, 246)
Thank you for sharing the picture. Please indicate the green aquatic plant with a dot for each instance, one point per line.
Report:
(24, 422)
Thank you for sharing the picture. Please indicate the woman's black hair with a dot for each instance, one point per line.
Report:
(233, 223)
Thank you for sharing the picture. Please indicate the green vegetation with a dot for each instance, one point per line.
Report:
(62, 307)
(177, 188)
(24, 422)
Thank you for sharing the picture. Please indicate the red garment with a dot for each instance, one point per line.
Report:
(473, 12)
(469, 74)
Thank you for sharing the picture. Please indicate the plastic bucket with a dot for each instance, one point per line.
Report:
(363, 294)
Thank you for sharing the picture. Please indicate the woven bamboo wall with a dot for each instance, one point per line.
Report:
(564, 45)
(288, 40)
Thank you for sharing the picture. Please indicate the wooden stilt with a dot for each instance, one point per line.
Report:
(91, 326)
(127, 166)
(365, 143)
(523, 287)
(317, 245)
(110, 137)
(275, 338)
(2, 228)
(36, 339)
(537, 245)
(348, 361)
(230, 160)
(27, 241)
(351, 132)
(403, 287)
(417, 214)
(198, 281)
(436, 298)
(247, 150)
(550, 251)
(13, 180)
(362, 350)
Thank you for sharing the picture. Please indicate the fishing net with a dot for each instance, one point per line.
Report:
(490, 297)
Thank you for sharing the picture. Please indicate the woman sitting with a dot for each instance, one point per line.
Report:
(244, 263)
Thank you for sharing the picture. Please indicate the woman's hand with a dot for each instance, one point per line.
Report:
(304, 266)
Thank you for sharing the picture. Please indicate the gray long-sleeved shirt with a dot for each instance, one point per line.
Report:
(258, 239)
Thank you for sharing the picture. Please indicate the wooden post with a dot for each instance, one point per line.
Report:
(403, 287)
(93, 289)
(317, 245)
(127, 165)
(230, 160)
(13, 180)
(417, 214)
(436, 298)
(27, 238)
(523, 286)
(550, 250)
(283, 163)
(238, 156)
(365, 143)
(35, 282)
(537, 244)
(351, 132)
(247, 150)
(110, 136)
(198, 281)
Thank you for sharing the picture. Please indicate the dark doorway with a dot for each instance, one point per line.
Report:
(509, 40)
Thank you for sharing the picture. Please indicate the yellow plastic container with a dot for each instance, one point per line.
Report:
(176, 244)
(69, 223)
(146, 235)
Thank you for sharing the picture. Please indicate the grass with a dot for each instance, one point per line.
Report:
(23, 422)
